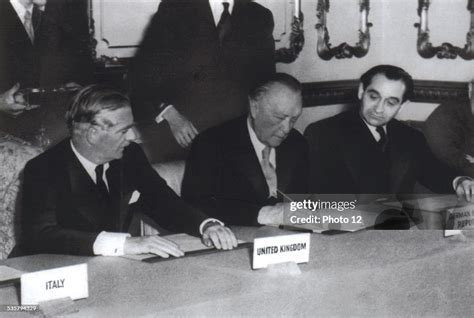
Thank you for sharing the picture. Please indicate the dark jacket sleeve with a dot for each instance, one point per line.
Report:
(203, 185)
(450, 135)
(158, 64)
(41, 229)
(430, 171)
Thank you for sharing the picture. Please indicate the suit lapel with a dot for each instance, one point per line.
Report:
(284, 165)
(243, 158)
(355, 139)
(399, 157)
(85, 195)
(17, 28)
(118, 193)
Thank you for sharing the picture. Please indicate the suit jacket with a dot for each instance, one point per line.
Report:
(182, 62)
(223, 176)
(344, 158)
(450, 134)
(63, 211)
(59, 54)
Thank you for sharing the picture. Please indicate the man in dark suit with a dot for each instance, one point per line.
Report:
(196, 64)
(42, 44)
(450, 133)
(78, 195)
(367, 151)
(240, 170)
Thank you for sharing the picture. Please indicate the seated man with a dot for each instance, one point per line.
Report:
(78, 195)
(239, 171)
(367, 151)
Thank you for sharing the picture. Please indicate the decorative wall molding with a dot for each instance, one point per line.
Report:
(290, 54)
(343, 50)
(445, 50)
(345, 92)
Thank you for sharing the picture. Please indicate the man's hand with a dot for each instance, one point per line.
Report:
(151, 244)
(11, 104)
(469, 158)
(465, 190)
(183, 130)
(220, 236)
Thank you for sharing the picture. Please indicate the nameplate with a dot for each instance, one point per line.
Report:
(281, 249)
(69, 281)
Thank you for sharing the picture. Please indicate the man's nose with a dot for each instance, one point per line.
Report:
(379, 107)
(286, 126)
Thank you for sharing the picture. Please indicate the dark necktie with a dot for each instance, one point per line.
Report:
(99, 171)
(223, 26)
(382, 143)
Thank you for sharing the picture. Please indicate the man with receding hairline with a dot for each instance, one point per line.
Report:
(80, 195)
(366, 151)
(239, 171)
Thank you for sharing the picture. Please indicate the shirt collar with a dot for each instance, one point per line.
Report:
(258, 146)
(373, 130)
(88, 165)
(216, 8)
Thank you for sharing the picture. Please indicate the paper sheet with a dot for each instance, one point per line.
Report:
(186, 242)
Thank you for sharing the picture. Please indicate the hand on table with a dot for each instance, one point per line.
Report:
(220, 236)
(465, 190)
(12, 104)
(151, 244)
(182, 129)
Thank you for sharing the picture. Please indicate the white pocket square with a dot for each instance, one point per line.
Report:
(135, 197)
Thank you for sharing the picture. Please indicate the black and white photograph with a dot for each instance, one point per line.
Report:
(236, 158)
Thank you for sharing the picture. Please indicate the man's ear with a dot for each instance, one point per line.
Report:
(92, 134)
(360, 91)
(253, 108)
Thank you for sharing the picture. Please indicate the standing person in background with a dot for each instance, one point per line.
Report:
(43, 44)
(196, 64)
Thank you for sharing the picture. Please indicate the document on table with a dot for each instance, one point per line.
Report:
(186, 242)
(431, 204)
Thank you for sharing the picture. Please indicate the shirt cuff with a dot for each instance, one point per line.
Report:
(160, 117)
(459, 179)
(110, 244)
(204, 223)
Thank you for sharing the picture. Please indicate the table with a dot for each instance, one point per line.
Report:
(366, 273)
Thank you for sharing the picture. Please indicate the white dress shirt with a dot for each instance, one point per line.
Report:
(258, 146)
(110, 243)
(217, 8)
(374, 132)
(106, 243)
(20, 9)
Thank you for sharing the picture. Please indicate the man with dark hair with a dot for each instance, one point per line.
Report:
(78, 195)
(239, 171)
(367, 151)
